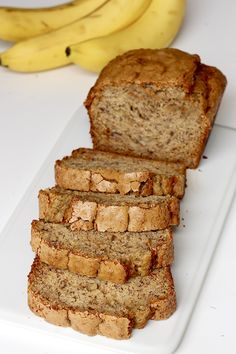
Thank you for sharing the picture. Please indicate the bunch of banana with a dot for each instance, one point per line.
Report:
(47, 51)
(18, 24)
(86, 32)
(156, 28)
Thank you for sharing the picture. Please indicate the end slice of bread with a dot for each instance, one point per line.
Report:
(108, 212)
(98, 171)
(95, 307)
(112, 256)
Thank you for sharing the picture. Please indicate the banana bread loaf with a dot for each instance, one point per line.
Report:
(113, 256)
(159, 104)
(108, 212)
(97, 171)
(92, 306)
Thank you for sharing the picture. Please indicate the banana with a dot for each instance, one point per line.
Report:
(19, 24)
(156, 28)
(48, 51)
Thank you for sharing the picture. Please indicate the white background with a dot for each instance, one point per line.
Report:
(34, 110)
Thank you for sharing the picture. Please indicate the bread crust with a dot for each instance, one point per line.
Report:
(108, 180)
(87, 215)
(102, 267)
(91, 322)
(164, 69)
(210, 83)
(164, 307)
(86, 322)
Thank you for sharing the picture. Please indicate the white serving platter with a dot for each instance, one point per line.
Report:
(210, 191)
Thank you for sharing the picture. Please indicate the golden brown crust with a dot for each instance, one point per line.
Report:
(82, 264)
(102, 267)
(55, 206)
(169, 185)
(103, 180)
(54, 256)
(90, 323)
(42, 307)
(107, 180)
(163, 308)
(69, 178)
(210, 84)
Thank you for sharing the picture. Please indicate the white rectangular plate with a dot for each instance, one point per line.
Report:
(210, 190)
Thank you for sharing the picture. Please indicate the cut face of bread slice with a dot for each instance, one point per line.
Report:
(94, 307)
(159, 104)
(97, 171)
(108, 212)
(112, 256)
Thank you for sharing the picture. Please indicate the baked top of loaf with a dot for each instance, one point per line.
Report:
(162, 67)
(159, 104)
(98, 171)
(114, 256)
(168, 67)
(99, 307)
(108, 212)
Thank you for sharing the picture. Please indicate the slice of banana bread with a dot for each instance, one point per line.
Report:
(97, 171)
(92, 306)
(109, 256)
(159, 104)
(108, 212)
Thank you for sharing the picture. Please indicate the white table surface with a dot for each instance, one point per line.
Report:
(34, 111)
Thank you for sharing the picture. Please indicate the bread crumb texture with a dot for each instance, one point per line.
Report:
(159, 104)
(92, 306)
(112, 256)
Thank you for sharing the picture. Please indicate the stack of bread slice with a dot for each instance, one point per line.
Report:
(104, 243)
